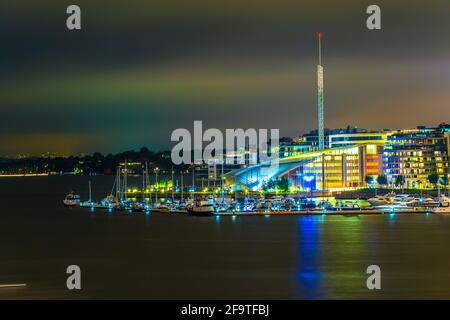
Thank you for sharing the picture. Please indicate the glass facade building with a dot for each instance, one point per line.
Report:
(415, 154)
(338, 168)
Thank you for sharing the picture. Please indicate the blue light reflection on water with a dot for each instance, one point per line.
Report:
(308, 276)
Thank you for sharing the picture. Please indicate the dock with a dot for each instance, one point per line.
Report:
(323, 212)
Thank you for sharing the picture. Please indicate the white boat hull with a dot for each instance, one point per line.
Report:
(442, 210)
(71, 203)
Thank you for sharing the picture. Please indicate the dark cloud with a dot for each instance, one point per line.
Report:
(139, 69)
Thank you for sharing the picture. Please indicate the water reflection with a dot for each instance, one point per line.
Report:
(168, 256)
(333, 254)
(308, 275)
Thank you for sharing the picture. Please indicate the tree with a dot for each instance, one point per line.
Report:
(279, 184)
(382, 180)
(433, 179)
(399, 180)
(418, 184)
(269, 185)
(369, 180)
(283, 185)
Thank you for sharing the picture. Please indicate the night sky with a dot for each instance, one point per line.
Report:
(140, 69)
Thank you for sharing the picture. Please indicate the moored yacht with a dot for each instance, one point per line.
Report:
(201, 208)
(179, 207)
(111, 202)
(71, 200)
(346, 206)
(160, 207)
(444, 206)
(382, 200)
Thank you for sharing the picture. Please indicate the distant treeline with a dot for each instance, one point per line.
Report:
(96, 163)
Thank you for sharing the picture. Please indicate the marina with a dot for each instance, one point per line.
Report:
(171, 201)
(220, 157)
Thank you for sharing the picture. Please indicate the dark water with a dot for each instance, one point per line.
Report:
(125, 255)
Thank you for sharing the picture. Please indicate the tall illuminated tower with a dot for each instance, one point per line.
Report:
(320, 128)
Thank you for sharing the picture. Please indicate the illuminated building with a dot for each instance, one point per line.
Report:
(292, 147)
(211, 170)
(333, 138)
(415, 154)
(343, 167)
(131, 168)
(351, 156)
(345, 139)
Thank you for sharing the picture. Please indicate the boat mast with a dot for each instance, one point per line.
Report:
(143, 182)
(223, 191)
(114, 185)
(181, 186)
(156, 185)
(118, 186)
(90, 192)
(172, 187)
(125, 176)
(193, 181)
(147, 178)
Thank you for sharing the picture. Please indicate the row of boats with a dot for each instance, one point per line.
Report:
(119, 199)
(406, 202)
(201, 207)
(209, 205)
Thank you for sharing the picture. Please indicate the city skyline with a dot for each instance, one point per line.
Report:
(158, 69)
(284, 140)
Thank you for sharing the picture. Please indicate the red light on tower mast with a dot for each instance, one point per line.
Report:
(319, 38)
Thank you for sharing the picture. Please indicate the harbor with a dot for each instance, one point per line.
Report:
(174, 199)
(225, 156)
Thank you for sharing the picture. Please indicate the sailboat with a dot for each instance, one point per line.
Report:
(181, 206)
(111, 201)
(90, 203)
